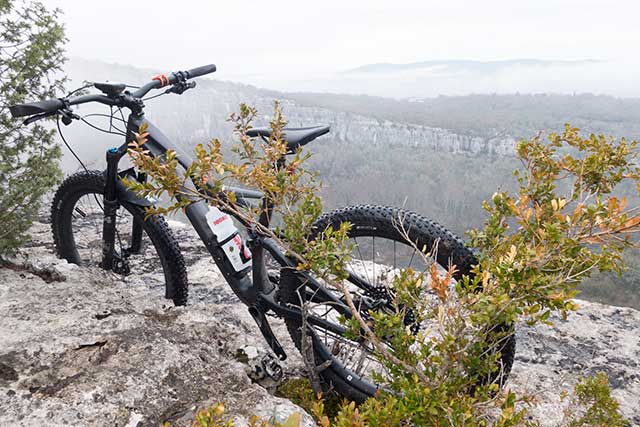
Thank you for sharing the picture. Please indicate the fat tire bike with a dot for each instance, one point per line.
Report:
(385, 239)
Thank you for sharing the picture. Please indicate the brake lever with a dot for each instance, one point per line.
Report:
(37, 117)
(68, 116)
(181, 87)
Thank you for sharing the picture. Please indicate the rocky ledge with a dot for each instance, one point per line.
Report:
(83, 347)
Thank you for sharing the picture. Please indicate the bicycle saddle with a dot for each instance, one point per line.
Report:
(295, 137)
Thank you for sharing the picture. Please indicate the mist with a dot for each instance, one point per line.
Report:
(292, 47)
(617, 78)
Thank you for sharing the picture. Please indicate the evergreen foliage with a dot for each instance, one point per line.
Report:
(31, 55)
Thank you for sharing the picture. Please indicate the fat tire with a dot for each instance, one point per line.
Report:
(383, 219)
(155, 226)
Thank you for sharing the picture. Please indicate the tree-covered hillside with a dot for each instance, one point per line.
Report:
(519, 115)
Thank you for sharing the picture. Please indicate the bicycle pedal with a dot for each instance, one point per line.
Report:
(272, 367)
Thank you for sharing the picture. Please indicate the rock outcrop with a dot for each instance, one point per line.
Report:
(83, 347)
(598, 337)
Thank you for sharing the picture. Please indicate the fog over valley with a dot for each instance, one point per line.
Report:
(464, 77)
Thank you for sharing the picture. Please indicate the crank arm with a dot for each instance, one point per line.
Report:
(267, 333)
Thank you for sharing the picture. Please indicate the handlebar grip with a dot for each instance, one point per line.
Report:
(47, 106)
(201, 71)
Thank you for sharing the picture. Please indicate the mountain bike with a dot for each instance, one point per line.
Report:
(98, 200)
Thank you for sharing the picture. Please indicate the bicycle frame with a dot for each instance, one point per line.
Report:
(255, 290)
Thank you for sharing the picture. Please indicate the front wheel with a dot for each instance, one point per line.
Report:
(380, 251)
(76, 222)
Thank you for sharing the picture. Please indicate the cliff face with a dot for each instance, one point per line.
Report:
(202, 113)
(357, 129)
(207, 109)
(82, 347)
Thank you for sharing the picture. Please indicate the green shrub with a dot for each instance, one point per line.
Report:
(593, 405)
(300, 392)
(31, 55)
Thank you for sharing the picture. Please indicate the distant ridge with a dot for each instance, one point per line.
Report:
(463, 65)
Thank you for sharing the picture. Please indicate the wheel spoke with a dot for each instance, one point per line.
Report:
(394, 254)
(373, 259)
(359, 282)
(364, 267)
(412, 255)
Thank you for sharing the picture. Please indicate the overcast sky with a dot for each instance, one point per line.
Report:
(288, 38)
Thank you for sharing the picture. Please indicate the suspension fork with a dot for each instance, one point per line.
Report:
(110, 201)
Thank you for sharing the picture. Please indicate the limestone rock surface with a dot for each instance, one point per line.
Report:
(79, 346)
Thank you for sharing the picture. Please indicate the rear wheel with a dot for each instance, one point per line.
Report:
(381, 250)
(142, 246)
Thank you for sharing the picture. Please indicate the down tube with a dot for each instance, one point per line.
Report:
(240, 281)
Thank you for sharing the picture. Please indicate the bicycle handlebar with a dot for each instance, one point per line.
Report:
(174, 78)
(83, 99)
(50, 106)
